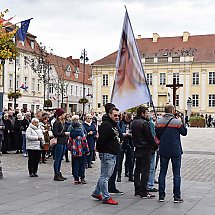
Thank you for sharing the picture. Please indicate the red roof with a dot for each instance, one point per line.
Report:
(202, 47)
(61, 64)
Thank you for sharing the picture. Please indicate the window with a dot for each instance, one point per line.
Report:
(149, 78)
(71, 89)
(175, 59)
(162, 78)
(195, 100)
(17, 82)
(104, 99)
(195, 78)
(10, 81)
(32, 44)
(18, 60)
(33, 84)
(177, 100)
(76, 90)
(105, 80)
(38, 85)
(88, 91)
(163, 60)
(25, 81)
(32, 108)
(176, 76)
(51, 87)
(211, 77)
(149, 60)
(25, 60)
(212, 100)
(99, 105)
(37, 107)
(80, 91)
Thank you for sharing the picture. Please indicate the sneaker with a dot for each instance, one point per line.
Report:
(161, 199)
(178, 200)
(25, 155)
(76, 182)
(131, 179)
(155, 181)
(99, 197)
(31, 175)
(147, 196)
(118, 179)
(152, 190)
(83, 181)
(62, 176)
(110, 201)
(116, 192)
(35, 174)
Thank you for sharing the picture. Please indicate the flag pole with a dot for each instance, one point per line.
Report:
(15, 75)
(151, 101)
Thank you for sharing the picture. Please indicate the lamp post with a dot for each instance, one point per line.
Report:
(84, 58)
(189, 104)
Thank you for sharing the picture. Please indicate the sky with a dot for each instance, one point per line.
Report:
(69, 26)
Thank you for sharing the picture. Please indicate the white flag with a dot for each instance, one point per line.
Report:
(130, 88)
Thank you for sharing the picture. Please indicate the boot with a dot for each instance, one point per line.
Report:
(62, 176)
(57, 177)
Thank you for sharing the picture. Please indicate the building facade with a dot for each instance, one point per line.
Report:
(62, 83)
(188, 59)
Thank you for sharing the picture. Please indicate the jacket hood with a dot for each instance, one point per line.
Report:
(33, 126)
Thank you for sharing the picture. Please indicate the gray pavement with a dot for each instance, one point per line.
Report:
(22, 195)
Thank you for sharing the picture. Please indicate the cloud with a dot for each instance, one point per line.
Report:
(68, 26)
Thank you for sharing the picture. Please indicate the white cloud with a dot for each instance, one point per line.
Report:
(69, 26)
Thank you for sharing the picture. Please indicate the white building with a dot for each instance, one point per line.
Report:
(65, 72)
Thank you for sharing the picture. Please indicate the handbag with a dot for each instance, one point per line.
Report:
(53, 142)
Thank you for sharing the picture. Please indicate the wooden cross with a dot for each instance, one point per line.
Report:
(174, 86)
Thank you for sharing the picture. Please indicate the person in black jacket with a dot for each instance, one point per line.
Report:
(25, 123)
(108, 146)
(59, 131)
(143, 143)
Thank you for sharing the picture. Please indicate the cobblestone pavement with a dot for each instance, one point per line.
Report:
(23, 195)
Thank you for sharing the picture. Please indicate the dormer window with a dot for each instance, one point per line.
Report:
(68, 68)
(32, 44)
(77, 70)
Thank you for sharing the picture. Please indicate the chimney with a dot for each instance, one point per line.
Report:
(155, 37)
(139, 37)
(186, 35)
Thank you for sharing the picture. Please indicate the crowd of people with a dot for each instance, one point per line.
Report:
(133, 141)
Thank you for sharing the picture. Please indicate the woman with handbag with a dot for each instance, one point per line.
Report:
(59, 132)
(34, 142)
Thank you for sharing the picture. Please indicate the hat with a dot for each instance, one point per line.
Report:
(59, 112)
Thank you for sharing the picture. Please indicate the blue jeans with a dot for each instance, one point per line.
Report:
(108, 162)
(59, 153)
(78, 167)
(152, 171)
(176, 167)
(24, 150)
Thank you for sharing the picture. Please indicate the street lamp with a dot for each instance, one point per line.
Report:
(84, 58)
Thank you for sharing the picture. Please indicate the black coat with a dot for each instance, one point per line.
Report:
(6, 144)
(18, 134)
(109, 137)
(142, 136)
(59, 130)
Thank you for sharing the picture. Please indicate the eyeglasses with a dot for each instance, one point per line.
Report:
(89, 118)
(116, 115)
